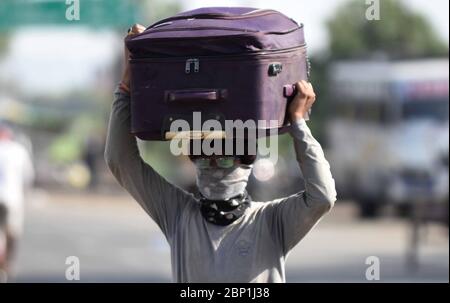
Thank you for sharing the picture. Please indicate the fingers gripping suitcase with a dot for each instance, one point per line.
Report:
(229, 63)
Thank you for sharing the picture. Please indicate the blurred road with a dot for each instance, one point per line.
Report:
(116, 242)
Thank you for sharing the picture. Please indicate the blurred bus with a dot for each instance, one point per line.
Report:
(389, 132)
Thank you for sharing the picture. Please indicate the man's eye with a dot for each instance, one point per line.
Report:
(225, 162)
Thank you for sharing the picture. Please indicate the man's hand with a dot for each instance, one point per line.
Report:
(135, 29)
(302, 102)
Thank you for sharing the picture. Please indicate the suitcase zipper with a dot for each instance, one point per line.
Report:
(202, 28)
(246, 54)
(254, 13)
(222, 28)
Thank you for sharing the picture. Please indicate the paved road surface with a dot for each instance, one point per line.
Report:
(116, 242)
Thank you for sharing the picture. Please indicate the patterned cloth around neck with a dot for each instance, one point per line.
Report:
(224, 212)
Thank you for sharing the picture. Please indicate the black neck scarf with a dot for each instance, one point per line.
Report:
(224, 212)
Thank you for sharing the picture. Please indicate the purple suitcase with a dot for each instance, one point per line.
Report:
(227, 63)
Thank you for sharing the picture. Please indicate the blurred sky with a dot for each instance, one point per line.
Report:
(54, 60)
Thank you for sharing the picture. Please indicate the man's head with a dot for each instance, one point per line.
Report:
(222, 175)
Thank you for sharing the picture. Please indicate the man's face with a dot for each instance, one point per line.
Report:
(222, 177)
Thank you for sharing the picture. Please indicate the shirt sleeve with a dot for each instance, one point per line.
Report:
(162, 200)
(291, 218)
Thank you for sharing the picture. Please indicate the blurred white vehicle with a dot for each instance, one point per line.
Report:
(389, 132)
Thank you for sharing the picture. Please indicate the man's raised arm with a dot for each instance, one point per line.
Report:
(293, 217)
(160, 199)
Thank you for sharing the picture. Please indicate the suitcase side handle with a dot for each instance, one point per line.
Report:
(196, 95)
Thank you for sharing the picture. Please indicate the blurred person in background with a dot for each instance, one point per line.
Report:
(223, 236)
(16, 175)
(92, 149)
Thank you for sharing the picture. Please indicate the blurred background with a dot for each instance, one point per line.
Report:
(382, 117)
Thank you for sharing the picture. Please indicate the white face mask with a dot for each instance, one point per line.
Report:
(217, 183)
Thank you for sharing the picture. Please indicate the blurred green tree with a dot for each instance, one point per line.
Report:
(400, 32)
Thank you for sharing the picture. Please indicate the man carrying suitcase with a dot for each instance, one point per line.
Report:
(223, 236)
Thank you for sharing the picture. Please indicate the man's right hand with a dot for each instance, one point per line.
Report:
(302, 102)
(135, 29)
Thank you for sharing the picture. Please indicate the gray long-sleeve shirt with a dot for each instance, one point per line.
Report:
(251, 249)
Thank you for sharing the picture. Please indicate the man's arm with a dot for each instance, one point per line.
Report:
(293, 217)
(160, 199)
(319, 183)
